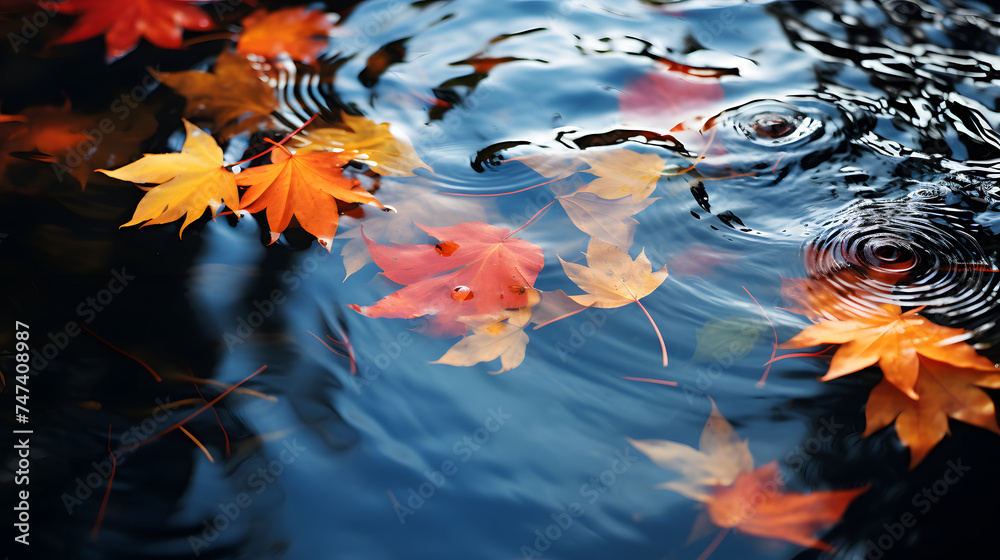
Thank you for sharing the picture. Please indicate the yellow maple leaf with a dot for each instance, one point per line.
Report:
(496, 337)
(608, 220)
(624, 172)
(721, 456)
(612, 279)
(189, 181)
(367, 142)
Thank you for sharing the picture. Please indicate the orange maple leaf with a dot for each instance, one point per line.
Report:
(892, 339)
(756, 504)
(720, 474)
(307, 186)
(124, 22)
(945, 390)
(299, 32)
(235, 94)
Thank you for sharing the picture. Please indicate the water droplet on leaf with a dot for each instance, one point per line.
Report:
(461, 293)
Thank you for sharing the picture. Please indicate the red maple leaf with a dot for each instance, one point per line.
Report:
(124, 22)
(670, 100)
(477, 269)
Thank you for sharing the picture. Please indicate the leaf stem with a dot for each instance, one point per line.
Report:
(648, 380)
(531, 219)
(663, 346)
(774, 346)
(506, 193)
(276, 144)
(96, 529)
(713, 545)
(195, 413)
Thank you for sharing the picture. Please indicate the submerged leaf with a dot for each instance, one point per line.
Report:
(721, 475)
(299, 32)
(235, 94)
(124, 22)
(608, 220)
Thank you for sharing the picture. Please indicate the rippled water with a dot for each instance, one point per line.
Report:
(851, 141)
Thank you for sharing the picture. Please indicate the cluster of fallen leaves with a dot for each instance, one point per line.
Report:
(475, 280)
(478, 281)
(930, 373)
(721, 475)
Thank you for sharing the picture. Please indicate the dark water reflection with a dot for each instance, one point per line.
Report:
(852, 131)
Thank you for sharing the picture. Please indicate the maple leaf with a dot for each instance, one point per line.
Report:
(608, 220)
(750, 506)
(893, 339)
(945, 390)
(557, 165)
(729, 337)
(124, 22)
(299, 32)
(477, 269)
(721, 457)
(721, 475)
(612, 279)
(495, 337)
(367, 142)
(235, 94)
(43, 133)
(189, 181)
(623, 173)
(671, 100)
(307, 186)
(414, 203)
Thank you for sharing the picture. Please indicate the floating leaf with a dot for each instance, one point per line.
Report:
(488, 273)
(945, 391)
(613, 279)
(491, 339)
(892, 339)
(124, 22)
(307, 186)
(299, 32)
(189, 181)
